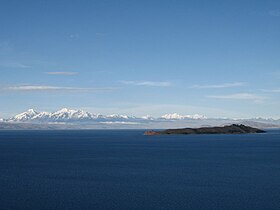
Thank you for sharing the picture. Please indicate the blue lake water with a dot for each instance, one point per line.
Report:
(126, 170)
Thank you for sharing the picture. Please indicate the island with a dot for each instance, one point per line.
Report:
(228, 129)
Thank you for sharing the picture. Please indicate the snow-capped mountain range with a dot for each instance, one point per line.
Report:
(79, 119)
(176, 116)
(70, 115)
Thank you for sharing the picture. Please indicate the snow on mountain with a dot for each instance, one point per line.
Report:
(147, 117)
(66, 115)
(172, 116)
(70, 115)
(86, 119)
(176, 116)
(42, 116)
(25, 116)
(196, 117)
(114, 116)
(117, 116)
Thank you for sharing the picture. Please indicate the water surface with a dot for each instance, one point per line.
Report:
(126, 170)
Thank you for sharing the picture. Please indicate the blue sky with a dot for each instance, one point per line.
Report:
(217, 58)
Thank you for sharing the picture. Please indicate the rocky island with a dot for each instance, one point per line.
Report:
(229, 129)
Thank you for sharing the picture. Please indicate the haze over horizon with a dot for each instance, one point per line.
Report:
(218, 58)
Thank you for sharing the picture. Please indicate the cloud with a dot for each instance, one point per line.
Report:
(274, 13)
(225, 85)
(239, 96)
(42, 88)
(272, 90)
(147, 83)
(66, 73)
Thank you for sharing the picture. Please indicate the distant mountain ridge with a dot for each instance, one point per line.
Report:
(70, 115)
(176, 116)
(78, 119)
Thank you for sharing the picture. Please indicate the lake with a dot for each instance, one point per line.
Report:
(123, 169)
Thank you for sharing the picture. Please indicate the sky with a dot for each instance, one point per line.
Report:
(217, 58)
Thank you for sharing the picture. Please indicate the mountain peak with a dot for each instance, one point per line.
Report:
(64, 110)
(25, 115)
(31, 111)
